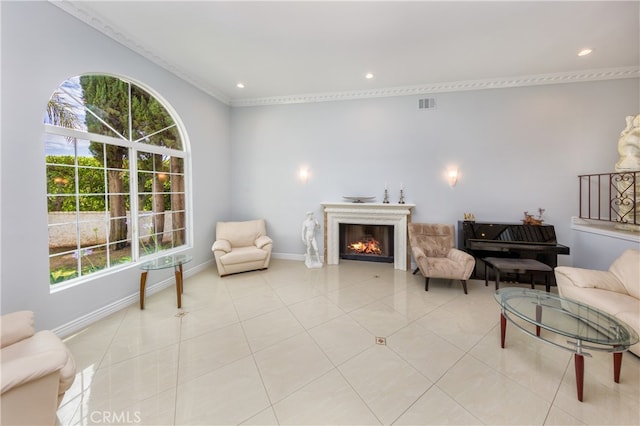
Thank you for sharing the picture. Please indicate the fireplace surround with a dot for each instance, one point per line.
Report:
(397, 215)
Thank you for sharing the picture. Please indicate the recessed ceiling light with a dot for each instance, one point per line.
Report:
(240, 85)
(368, 76)
(585, 52)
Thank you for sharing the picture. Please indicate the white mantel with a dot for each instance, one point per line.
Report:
(397, 215)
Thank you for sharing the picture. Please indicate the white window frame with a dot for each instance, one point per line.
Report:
(133, 148)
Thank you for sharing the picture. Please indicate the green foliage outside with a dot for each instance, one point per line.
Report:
(91, 180)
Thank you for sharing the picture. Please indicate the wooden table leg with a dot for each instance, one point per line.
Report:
(143, 283)
(538, 318)
(503, 329)
(178, 273)
(579, 363)
(617, 364)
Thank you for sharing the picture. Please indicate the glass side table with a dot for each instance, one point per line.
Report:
(165, 262)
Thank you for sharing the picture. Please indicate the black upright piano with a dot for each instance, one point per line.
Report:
(516, 240)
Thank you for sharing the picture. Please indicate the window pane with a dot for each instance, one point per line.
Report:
(93, 232)
(92, 259)
(65, 108)
(178, 225)
(177, 165)
(62, 267)
(63, 236)
(107, 99)
(95, 155)
(120, 253)
(151, 122)
(91, 180)
(91, 203)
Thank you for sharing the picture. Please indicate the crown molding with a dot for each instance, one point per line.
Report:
(454, 86)
(82, 11)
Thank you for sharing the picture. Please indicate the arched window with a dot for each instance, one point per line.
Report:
(116, 164)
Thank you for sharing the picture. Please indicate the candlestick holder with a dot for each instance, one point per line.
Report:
(401, 197)
(386, 196)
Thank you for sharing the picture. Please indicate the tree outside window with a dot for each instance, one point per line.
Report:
(116, 165)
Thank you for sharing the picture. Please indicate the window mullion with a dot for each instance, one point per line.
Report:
(76, 178)
(107, 204)
(133, 203)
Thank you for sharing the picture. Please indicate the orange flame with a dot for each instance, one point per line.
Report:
(368, 247)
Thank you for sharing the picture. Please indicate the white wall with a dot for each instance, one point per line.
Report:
(597, 246)
(517, 149)
(41, 47)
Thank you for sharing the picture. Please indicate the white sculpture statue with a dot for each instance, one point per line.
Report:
(629, 161)
(309, 226)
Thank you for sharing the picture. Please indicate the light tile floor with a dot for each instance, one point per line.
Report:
(294, 346)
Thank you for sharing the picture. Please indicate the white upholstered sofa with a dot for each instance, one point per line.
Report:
(241, 246)
(37, 370)
(616, 291)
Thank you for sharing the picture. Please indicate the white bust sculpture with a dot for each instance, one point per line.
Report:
(309, 226)
(629, 146)
(629, 161)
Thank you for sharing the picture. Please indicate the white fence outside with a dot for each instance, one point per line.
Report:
(94, 228)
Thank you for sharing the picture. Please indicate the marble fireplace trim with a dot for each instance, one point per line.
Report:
(397, 215)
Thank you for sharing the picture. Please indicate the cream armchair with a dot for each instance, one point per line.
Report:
(615, 291)
(433, 249)
(241, 246)
(37, 370)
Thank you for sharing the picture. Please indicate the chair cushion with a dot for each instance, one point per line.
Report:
(243, 255)
(442, 267)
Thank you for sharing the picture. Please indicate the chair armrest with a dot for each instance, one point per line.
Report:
(30, 365)
(263, 241)
(221, 245)
(460, 256)
(15, 327)
(463, 258)
(418, 252)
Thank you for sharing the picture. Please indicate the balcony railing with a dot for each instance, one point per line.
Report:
(611, 197)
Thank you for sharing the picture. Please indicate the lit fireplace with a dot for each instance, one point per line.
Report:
(367, 247)
(366, 242)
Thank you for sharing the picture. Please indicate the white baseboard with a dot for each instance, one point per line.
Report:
(84, 321)
(288, 256)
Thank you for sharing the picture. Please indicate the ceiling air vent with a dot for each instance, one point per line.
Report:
(427, 103)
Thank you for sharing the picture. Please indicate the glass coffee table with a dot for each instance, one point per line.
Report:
(578, 322)
(174, 261)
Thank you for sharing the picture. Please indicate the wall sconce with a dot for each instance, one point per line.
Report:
(452, 177)
(303, 174)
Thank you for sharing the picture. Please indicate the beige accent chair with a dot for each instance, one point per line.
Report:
(435, 254)
(37, 369)
(616, 291)
(241, 246)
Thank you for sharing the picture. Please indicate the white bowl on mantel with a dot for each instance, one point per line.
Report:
(359, 199)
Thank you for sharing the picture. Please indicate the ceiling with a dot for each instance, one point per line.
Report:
(322, 50)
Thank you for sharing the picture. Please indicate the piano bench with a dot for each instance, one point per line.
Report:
(517, 266)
